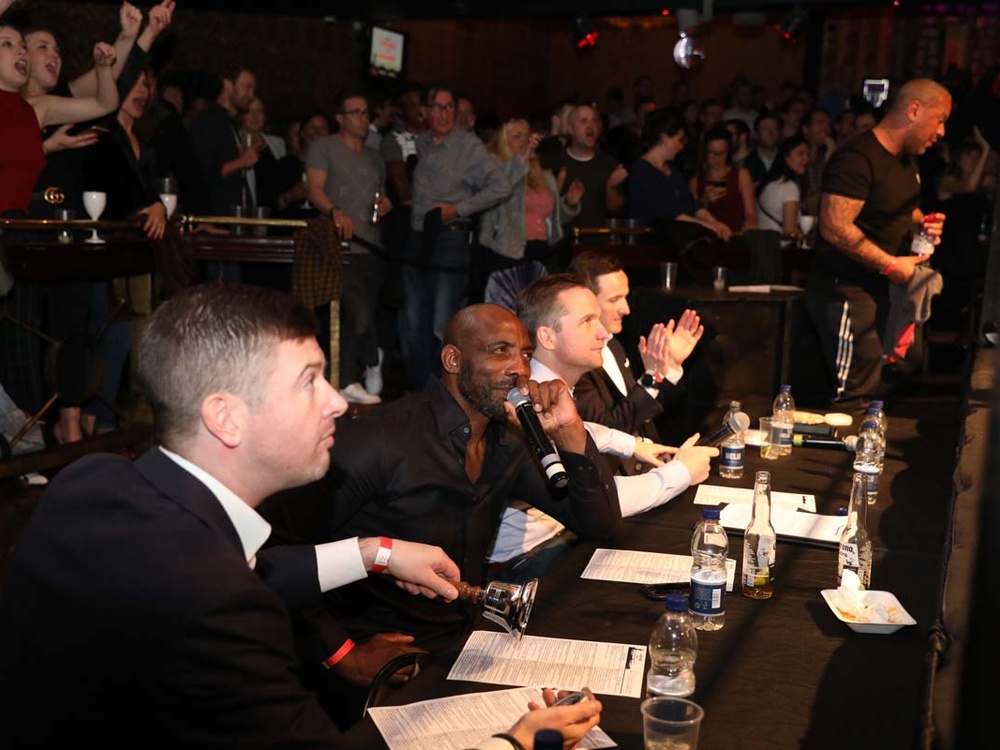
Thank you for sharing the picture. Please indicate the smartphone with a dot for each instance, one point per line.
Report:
(657, 592)
(573, 698)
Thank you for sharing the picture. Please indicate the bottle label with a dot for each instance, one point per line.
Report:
(708, 598)
(753, 576)
(786, 430)
(872, 481)
(849, 556)
(922, 244)
(732, 456)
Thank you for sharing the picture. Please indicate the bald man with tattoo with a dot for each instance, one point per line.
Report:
(869, 210)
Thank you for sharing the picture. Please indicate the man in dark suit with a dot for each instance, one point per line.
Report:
(139, 607)
(611, 395)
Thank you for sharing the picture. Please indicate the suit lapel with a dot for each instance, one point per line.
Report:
(619, 351)
(188, 492)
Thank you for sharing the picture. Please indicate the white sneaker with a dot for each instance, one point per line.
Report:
(356, 394)
(373, 375)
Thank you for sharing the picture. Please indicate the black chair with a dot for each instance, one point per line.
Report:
(380, 685)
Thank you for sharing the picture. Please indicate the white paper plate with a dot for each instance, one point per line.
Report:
(886, 598)
(751, 437)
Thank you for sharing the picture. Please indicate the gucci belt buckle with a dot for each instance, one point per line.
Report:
(54, 196)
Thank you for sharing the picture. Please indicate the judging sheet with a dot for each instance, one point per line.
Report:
(630, 566)
(811, 528)
(605, 668)
(713, 494)
(462, 720)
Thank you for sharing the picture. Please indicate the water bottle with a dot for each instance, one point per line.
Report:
(759, 543)
(855, 551)
(548, 739)
(733, 449)
(709, 550)
(877, 408)
(922, 243)
(673, 646)
(868, 456)
(784, 415)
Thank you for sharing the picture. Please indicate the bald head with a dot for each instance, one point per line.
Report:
(470, 322)
(923, 90)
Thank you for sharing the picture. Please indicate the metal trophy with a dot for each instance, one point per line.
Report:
(506, 604)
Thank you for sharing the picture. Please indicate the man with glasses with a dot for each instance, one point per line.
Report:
(455, 179)
(346, 181)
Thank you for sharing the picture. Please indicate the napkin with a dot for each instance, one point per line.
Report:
(852, 603)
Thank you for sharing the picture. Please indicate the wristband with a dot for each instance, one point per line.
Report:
(382, 555)
(650, 379)
(888, 269)
(339, 654)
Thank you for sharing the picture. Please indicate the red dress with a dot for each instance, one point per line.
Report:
(21, 157)
(729, 208)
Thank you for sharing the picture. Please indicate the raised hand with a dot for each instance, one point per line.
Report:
(683, 337)
(575, 193)
(618, 176)
(130, 19)
(61, 140)
(655, 351)
(556, 412)
(161, 16)
(104, 55)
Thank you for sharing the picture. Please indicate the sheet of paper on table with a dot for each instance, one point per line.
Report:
(713, 494)
(498, 658)
(789, 525)
(462, 720)
(630, 566)
(765, 288)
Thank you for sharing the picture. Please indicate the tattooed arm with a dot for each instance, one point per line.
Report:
(837, 215)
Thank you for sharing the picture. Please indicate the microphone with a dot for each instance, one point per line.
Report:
(737, 423)
(848, 443)
(537, 440)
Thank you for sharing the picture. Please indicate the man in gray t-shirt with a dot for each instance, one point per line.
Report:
(346, 181)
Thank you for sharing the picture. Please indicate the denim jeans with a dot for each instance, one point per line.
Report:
(432, 297)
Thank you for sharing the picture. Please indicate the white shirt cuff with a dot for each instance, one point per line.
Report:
(339, 563)
(674, 374)
(494, 743)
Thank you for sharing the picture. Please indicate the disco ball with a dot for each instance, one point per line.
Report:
(688, 53)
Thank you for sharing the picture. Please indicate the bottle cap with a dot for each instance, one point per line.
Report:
(786, 389)
(840, 512)
(677, 603)
(711, 514)
(878, 403)
(548, 738)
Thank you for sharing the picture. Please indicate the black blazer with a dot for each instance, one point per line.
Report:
(130, 617)
(599, 400)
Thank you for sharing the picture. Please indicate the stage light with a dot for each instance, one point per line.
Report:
(585, 35)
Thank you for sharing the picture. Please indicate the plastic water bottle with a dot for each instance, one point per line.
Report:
(759, 543)
(733, 449)
(784, 415)
(922, 242)
(673, 646)
(855, 551)
(868, 456)
(709, 550)
(877, 407)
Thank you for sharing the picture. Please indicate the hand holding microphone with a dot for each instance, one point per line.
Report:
(548, 414)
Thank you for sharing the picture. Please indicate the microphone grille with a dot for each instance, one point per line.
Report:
(515, 398)
(740, 422)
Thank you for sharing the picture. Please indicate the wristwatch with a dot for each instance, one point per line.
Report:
(650, 379)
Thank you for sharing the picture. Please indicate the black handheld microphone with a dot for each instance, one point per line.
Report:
(848, 443)
(537, 440)
(737, 423)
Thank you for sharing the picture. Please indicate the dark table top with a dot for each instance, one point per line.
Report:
(783, 672)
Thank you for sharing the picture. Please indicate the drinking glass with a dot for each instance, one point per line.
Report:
(668, 275)
(719, 278)
(261, 212)
(671, 723)
(94, 202)
(770, 438)
(167, 188)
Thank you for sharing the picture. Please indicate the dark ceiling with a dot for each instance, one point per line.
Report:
(398, 9)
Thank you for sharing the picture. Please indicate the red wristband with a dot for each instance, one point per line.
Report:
(339, 654)
(382, 555)
(888, 269)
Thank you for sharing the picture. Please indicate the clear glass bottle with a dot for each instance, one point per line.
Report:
(673, 647)
(855, 551)
(759, 543)
(869, 456)
(709, 550)
(783, 413)
(733, 449)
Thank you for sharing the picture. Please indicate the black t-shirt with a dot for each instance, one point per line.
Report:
(594, 174)
(889, 185)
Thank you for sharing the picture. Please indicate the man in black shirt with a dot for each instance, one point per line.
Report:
(442, 464)
(869, 210)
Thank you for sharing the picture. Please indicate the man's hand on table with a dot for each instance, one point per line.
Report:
(572, 721)
(363, 662)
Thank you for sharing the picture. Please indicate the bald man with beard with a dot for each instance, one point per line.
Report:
(869, 211)
(442, 464)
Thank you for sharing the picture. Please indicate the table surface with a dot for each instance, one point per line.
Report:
(783, 672)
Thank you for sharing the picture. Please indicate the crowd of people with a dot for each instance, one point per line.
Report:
(245, 580)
